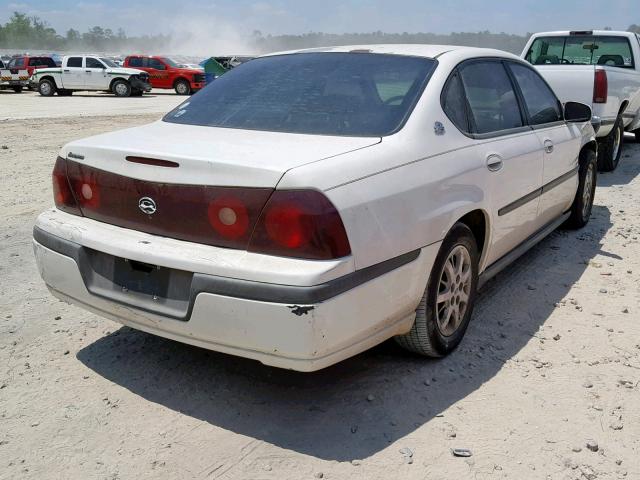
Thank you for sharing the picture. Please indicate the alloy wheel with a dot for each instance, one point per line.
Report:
(454, 290)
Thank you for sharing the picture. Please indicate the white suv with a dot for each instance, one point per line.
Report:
(309, 205)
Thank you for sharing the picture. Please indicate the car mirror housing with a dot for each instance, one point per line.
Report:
(577, 112)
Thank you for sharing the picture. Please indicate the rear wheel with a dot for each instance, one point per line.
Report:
(121, 88)
(182, 87)
(610, 148)
(444, 312)
(46, 88)
(583, 202)
(17, 89)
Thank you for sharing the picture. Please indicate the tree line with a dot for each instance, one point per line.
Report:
(25, 32)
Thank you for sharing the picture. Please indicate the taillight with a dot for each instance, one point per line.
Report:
(600, 87)
(62, 193)
(302, 224)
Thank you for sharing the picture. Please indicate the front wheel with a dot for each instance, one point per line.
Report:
(46, 88)
(583, 201)
(610, 148)
(182, 87)
(121, 88)
(445, 309)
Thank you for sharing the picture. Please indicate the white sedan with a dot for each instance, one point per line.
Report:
(309, 205)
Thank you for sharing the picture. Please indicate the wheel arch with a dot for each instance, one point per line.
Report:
(115, 80)
(50, 78)
(623, 107)
(177, 79)
(478, 221)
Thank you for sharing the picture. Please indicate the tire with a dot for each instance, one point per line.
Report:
(428, 336)
(182, 87)
(121, 88)
(65, 93)
(637, 134)
(583, 202)
(17, 89)
(46, 88)
(610, 148)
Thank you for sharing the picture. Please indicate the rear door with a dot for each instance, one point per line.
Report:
(73, 73)
(510, 150)
(96, 77)
(560, 142)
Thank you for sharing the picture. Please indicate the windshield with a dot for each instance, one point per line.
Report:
(170, 62)
(349, 94)
(108, 63)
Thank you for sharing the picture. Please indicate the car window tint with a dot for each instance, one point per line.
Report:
(16, 62)
(454, 103)
(334, 93)
(540, 101)
(94, 63)
(74, 62)
(612, 51)
(546, 51)
(135, 62)
(491, 98)
(157, 64)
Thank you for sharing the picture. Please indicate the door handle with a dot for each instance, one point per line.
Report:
(548, 146)
(494, 162)
(66, 71)
(87, 71)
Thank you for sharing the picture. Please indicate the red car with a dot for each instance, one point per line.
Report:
(30, 64)
(165, 73)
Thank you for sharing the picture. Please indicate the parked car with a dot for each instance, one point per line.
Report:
(90, 73)
(167, 74)
(307, 206)
(599, 68)
(15, 79)
(30, 63)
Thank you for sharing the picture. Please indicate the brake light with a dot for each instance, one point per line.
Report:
(600, 87)
(300, 223)
(62, 193)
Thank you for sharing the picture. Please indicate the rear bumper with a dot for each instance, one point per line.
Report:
(298, 327)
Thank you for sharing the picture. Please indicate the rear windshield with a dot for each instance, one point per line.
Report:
(581, 50)
(348, 94)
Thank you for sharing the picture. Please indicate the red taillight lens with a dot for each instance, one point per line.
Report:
(600, 87)
(62, 194)
(302, 224)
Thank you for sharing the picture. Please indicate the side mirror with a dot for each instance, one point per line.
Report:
(577, 112)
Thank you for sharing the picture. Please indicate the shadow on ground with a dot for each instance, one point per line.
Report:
(327, 414)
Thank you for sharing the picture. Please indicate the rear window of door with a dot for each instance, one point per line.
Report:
(492, 101)
(540, 101)
(16, 62)
(74, 62)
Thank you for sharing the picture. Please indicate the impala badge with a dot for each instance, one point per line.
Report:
(147, 205)
(438, 128)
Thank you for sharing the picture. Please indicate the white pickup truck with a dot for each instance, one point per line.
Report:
(90, 72)
(600, 69)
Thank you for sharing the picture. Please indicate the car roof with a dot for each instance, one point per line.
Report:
(410, 49)
(586, 33)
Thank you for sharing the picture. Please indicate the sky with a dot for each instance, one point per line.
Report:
(331, 16)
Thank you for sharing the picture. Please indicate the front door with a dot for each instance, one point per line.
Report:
(560, 142)
(96, 77)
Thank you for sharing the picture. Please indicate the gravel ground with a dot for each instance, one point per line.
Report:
(544, 386)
